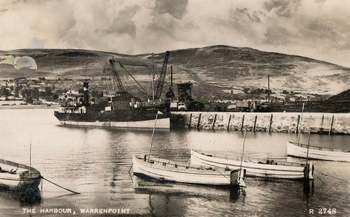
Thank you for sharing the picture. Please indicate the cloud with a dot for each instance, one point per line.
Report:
(19, 62)
(245, 13)
(25, 62)
(317, 28)
(37, 43)
(2, 10)
(333, 32)
(278, 35)
(285, 8)
(320, 1)
(176, 8)
(167, 21)
(123, 23)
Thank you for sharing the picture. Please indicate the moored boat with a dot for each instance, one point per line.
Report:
(300, 150)
(257, 168)
(171, 171)
(122, 119)
(118, 107)
(18, 177)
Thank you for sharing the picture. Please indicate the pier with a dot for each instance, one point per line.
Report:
(282, 122)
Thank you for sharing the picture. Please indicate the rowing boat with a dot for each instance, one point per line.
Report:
(18, 177)
(300, 150)
(257, 168)
(171, 171)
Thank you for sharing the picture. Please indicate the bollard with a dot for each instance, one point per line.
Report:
(199, 120)
(322, 121)
(254, 127)
(190, 122)
(228, 124)
(331, 127)
(242, 123)
(212, 127)
(298, 122)
(270, 125)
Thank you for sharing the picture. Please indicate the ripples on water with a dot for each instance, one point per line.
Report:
(96, 163)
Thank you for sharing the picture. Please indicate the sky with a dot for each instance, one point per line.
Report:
(318, 29)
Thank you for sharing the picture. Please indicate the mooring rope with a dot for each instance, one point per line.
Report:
(74, 192)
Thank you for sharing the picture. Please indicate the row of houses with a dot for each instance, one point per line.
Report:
(31, 91)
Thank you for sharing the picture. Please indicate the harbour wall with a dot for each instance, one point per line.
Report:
(284, 122)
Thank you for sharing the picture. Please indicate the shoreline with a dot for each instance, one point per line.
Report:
(9, 107)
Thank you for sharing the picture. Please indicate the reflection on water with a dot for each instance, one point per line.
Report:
(96, 163)
(24, 198)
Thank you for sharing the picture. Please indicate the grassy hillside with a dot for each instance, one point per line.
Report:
(213, 69)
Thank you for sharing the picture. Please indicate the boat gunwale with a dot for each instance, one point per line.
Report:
(196, 170)
(296, 151)
(21, 179)
(32, 170)
(318, 148)
(282, 163)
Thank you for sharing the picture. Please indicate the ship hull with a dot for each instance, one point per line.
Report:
(18, 184)
(114, 120)
(163, 123)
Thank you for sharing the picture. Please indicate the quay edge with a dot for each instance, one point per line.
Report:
(282, 122)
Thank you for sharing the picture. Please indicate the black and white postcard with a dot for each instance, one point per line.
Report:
(174, 108)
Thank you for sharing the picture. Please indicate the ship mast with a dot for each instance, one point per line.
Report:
(30, 159)
(152, 78)
(299, 124)
(161, 78)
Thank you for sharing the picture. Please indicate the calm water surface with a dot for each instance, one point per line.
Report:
(96, 163)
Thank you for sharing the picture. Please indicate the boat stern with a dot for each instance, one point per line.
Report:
(29, 180)
(237, 178)
(137, 161)
(309, 171)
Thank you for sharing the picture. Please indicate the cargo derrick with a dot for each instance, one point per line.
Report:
(116, 77)
(161, 79)
(121, 109)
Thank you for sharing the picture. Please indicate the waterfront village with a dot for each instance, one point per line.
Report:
(51, 91)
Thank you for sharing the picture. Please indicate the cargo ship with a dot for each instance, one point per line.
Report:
(121, 109)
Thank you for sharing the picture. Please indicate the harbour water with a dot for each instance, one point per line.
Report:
(96, 163)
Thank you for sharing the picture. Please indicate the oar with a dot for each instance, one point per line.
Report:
(74, 192)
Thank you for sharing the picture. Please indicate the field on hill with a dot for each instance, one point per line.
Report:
(214, 70)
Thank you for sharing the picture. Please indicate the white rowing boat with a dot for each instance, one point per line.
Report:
(295, 149)
(166, 170)
(18, 177)
(261, 169)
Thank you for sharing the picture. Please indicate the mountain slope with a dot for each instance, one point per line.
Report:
(215, 68)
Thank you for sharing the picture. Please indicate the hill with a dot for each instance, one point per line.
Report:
(341, 97)
(214, 69)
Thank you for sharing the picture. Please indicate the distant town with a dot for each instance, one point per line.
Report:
(50, 91)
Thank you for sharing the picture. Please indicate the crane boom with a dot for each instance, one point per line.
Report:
(133, 78)
(161, 79)
(117, 76)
